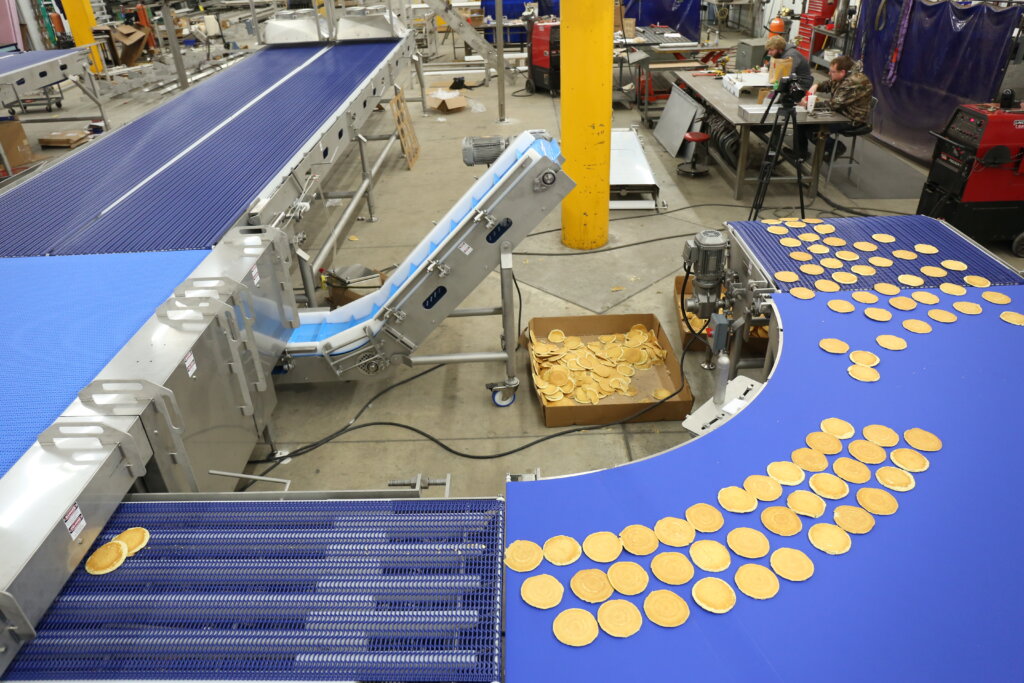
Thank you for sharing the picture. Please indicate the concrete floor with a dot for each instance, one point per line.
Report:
(452, 402)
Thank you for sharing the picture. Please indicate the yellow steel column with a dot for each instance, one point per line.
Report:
(586, 85)
(81, 21)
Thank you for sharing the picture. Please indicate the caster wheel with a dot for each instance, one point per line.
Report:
(531, 86)
(1018, 245)
(10, 112)
(49, 108)
(60, 104)
(503, 399)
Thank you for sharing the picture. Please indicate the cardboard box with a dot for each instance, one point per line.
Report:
(779, 68)
(446, 101)
(64, 138)
(755, 345)
(130, 41)
(15, 144)
(617, 407)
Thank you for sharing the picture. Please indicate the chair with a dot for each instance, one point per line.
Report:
(696, 167)
(853, 134)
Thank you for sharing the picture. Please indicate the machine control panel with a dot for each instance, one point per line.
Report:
(967, 127)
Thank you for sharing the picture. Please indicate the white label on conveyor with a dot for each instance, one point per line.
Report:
(74, 520)
(255, 276)
(465, 249)
(734, 406)
(190, 364)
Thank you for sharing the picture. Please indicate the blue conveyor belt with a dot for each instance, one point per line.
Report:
(932, 593)
(134, 195)
(908, 230)
(296, 590)
(16, 61)
(66, 319)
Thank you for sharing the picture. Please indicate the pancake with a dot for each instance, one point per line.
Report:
(923, 297)
(786, 473)
(711, 556)
(841, 306)
(853, 471)
(916, 326)
(748, 543)
(881, 435)
(562, 550)
(894, 478)
(801, 293)
(542, 591)
(786, 276)
(891, 342)
(781, 521)
(757, 582)
(902, 303)
(809, 459)
(887, 289)
(762, 487)
(997, 298)
(602, 546)
(867, 452)
(837, 427)
(829, 538)
(967, 307)
(714, 595)
(523, 556)
(665, 608)
(792, 564)
(704, 518)
(829, 486)
(638, 539)
(811, 269)
(107, 558)
(735, 499)
(853, 519)
(628, 578)
(909, 460)
(877, 501)
(135, 538)
(591, 585)
(863, 373)
(922, 440)
(941, 315)
(672, 568)
(837, 346)
(952, 289)
(674, 532)
(823, 442)
(828, 286)
(865, 358)
(575, 627)
(878, 314)
(977, 281)
(865, 297)
(806, 503)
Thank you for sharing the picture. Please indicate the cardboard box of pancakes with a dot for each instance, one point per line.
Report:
(755, 345)
(597, 369)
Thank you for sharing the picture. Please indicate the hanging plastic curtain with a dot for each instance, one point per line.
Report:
(682, 16)
(926, 59)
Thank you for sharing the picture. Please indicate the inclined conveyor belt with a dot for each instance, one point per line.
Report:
(42, 66)
(309, 590)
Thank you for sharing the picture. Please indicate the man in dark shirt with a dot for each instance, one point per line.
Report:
(776, 47)
(849, 93)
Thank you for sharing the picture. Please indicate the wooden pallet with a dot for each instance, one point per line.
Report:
(403, 122)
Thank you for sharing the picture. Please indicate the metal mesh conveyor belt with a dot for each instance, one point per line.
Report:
(908, 231)
(293, 590)
(142, 190)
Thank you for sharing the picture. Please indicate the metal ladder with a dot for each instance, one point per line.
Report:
(469, 35)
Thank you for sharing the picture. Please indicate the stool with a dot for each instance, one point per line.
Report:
(697, 166)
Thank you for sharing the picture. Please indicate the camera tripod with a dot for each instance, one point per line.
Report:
(784, 117)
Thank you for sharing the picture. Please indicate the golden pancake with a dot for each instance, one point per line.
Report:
(884, 238)
(735, 499)
(704, 518)
(891, 342)
(602, 546)
(792, 564)
(628, 578)
(562, 550)
(714, 595)
(672, 568)
(817, 249)
(811, 269)
(880, 261)
(977, 281)
(523, 556)
(925, 249)
(881, 435)
(789, 241)
(757, 582)
(887, 289)
(967, 307)
(861, 269)
(952, 264)
(826, 286)
(831, 263)
(786, 473)
(841, 306)
(801, 293)
(902, 303)
(910, 280)
(809, 459)
(828, 485)
(800, 256)
(813, 221)
(865, 246)
(556, 336)
(867, 452)
(665, 608)
(575, 627)
(909, 460)
(591, 585)
(711, 556)
(780, 520)
(877, 501)
(846, 255)
(107, 558)
(853, 471)
(674, 531)
(777, 230)
(542, 591)
(922, 440)
(865, 358)
(638, 539)
(940, 315)
(747, 542)
(933, 271)
(853, 519)
(904, 254)
(135, 538)
(837, 427)
(952, 289)
(771, 221)
(806, 503)
(926, 298)
(894, 478)
(808, 236)
(863, 373)
(996, 298)
(916, 326)
(834, 345)
(823, 442)
(786, 276)
(844, 278)
(794, 222)
(762, 487)
(1012, 317)
(834, 241)
(878, 314)
(824, 229)
(864, 297)
(828, 538)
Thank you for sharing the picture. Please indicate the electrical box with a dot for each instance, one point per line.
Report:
(750, 53)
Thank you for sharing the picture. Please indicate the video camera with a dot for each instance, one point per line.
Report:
(788, 92)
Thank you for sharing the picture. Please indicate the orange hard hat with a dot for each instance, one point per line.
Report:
(777, 26)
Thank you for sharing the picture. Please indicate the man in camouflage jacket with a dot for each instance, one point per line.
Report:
(849, 93)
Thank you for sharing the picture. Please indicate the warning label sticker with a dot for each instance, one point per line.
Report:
(74, 520)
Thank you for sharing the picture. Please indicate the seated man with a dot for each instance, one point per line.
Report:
(776, 47)
(849, 93)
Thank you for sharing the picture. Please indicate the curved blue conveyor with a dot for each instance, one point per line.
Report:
(932, 593)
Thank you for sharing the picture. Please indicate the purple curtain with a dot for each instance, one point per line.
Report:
(950, 55)
(682, 16)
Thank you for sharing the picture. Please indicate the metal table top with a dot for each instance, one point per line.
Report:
(12, 63)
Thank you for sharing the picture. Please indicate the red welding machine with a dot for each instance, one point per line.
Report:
(976, 180)
(542, 50)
